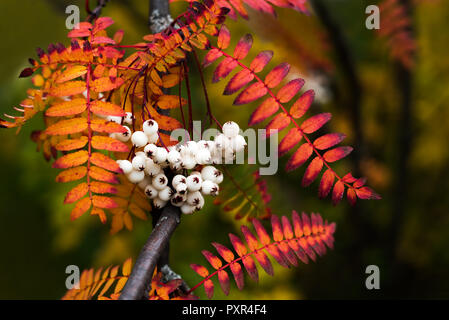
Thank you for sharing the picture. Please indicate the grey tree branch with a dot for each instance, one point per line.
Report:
(158, 240)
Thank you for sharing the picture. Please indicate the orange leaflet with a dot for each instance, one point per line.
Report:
(81, 207)
(106, 108)
(300, 107)
(276, 75)
(328, 140)
(71, 160)
(68, 89)
(261, 60)
(105, 162)
(67, 108)
(104, 126)
(71, 73)
(316, 122)
(170, 102)
(170, 80)
(338, 191)
(213, 260)
(101, 24)
(71, 174)
(250, 94)
(71, 144)
(280, 122)
(165, 122)
(76, 193)
(104, 202)
(337, 153)
(327, 180)
(105, 84)
(287, 92)
(110, 144)
(211, 56)
(102, 175)
(292, 138)
(101, 187)
(69, 126)
(238, 81)
(299, 157)
(224, 37)
(264, 111)
(243, 46)
(312, 171)
(223, 69)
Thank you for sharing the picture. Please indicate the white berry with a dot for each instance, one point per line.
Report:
(139, 139)
(151, 192)
(160, 181)
(209, 188)
(114, 119)
(178, 179)
(238, 143)
(160, 155)
(150, 127)
(188, 162)
(178, 199)
(128, 118)
(136, 176)
(152, 169)
(138, 163)
(194, 182)
(203, 156)
(144, 183)
(125, 165)
(195, 199)
(158, 203)
(174, 156)
(150, 149)
(187, 209)
(208, 173)
(231, 129)
(165, 194)
(124, 136)
(181, 188)
(222, 141)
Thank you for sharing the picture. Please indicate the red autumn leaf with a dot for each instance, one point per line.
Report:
(224, 69)
(338, 191)
(211, 57)
(316, 122)
(337, 153)
(238, 81)
(260, 61)
(213, 260)
(280, 122)
(287, 92)
(224, 37)
(326, 183)
(106, 108)
(299, 157)
(109, 144)
(300, 107)
(243, 46)
(276, 75)
(328, 140)
(67, 108)
(250, 94)
(312, 171)
(291, 139)
(264, 111)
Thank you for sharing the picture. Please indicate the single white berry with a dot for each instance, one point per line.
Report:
(139, 139)
(160, 155)
(125, 165)
(152, 169)
(218, 176)
(150, 149)
(153, 138)
(238, 143)
(141, 154)
(139, 163)
(231, 129)
(195, 199)
(187, 209)
(144, 183)
(192, 146)
(166, 194)
(188, 162)
(129, 117)
(179, 178)
(222, 141)
(181, 188)
(194, 182)
(178, 199)
(136, 176)
(114, 119)
(209, 188)
(160, 181)
(174, 156)
(208, 173)
(124, 136)
(203, 156)
(150, 127)
(158, 203)
(151, 192)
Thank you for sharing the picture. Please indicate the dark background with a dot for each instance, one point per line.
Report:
(397, 118)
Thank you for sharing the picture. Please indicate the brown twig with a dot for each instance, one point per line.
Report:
(95, 13)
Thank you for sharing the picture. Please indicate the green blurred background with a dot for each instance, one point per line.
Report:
(402, 149)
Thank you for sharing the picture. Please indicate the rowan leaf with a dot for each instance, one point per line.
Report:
(328, 140)
(312, 171)
(265, 110)
(300, 107)
(67, 108)
(299, 157)
(243, 46)
(76, 193)
(81, 207)
(72, 144)
(253, 92)
(261, 60)
(105, 162)
(71, 160)
(71, 174)
(70, 88)
(276, 75)
(106, 108)
(287, 92)
(106, 84)
(337, 153)
(315, 123)
(110, 144)
(69, 126)
(72, 72)
(291, 139)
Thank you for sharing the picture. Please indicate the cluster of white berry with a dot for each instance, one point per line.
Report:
(147, 167)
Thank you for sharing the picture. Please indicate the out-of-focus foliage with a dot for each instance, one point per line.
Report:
(38, 241)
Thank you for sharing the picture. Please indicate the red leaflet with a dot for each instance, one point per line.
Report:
(359, 182)
(224, 37)
(287, 228)
(202, 271)
(280, 122)
(367, 193)
(297, 225)
(328, 140)
(238, 81)
(213, 260)
(243, 47)
(292, 138)
(223, 278)
(303, 104)
(288, 91)
(102, 23)
(326, 183)
(337, 193)
(264, 238)
(337, 153)
(312, 171)
(276, 75)
(261, 60)
(299, 157)
(224, 69)
(227, 254)
(238, 245)
(351, 195)
(237, 271)
(264, 111)
(250, 94)
(211, 56)
(316, 122)
(278, 235)
(105, 162)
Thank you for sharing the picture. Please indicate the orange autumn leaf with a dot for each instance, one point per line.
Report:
(71, 160)
(76, 193)
(69, 126)
(72, 144)
(106, 108)
(106, 84)
(81, 207)
(110, 144)
(68, 89)
(71, 174)
(71, 73)
(67, 108)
